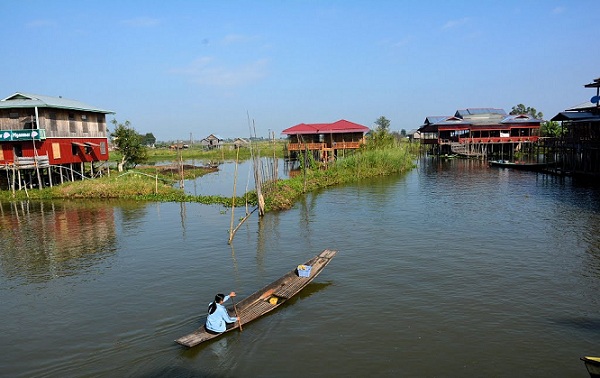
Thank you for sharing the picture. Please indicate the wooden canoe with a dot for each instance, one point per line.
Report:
(592, 365)
(266, 299)
(535, 167)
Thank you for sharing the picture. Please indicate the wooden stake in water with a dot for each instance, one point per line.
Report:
(231, 231)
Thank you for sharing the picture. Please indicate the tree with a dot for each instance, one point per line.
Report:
(521, 109)
(381, 136)
(129, 143)
(551, 129)
(149, 139)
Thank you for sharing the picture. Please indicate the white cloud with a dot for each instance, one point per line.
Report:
(40, 24)
(236, 38)
(206, 71)
(559, 10)
(141, 22)
(454, 23)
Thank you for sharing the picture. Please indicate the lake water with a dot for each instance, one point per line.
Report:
(454, 269)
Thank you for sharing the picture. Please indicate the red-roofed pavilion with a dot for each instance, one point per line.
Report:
(326, 138)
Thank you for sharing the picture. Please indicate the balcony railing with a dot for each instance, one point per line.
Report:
(321, 146)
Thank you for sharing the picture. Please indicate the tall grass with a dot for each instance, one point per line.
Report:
(361, 165)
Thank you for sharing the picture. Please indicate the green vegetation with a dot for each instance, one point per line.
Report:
(382, 155)
(129, 143)
(551, 129)
(521, 109)
(132, 185)
(365, 164)
(228, 152)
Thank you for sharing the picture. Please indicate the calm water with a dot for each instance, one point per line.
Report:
(453, 270)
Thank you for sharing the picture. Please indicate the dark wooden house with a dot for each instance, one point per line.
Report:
(578, 147)
(44, 139)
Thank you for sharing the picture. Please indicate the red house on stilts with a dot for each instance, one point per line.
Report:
(45, 140)
(324, 140)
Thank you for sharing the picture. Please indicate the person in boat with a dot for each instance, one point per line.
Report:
(218, 317)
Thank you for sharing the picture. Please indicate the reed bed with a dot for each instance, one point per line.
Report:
(359, 166)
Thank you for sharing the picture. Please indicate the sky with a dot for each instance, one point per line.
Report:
(188, 69)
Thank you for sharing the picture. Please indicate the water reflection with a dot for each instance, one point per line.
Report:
(43, 240)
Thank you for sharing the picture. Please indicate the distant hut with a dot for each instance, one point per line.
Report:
(240, 142)
(211, 142)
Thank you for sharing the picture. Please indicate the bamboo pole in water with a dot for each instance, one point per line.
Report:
(231, 230)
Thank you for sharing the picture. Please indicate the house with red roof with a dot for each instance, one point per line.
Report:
(328, 139)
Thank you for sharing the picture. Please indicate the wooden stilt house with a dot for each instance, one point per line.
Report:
(325, 140)
(45, 140)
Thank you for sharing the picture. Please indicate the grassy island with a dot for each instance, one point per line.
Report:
(150, 183)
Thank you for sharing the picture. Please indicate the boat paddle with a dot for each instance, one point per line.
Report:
(236, 313)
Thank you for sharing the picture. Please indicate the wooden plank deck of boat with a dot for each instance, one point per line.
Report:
(266, 299)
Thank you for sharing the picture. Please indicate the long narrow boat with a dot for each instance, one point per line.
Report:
(592, 365)
(536, 167)
(268, 298)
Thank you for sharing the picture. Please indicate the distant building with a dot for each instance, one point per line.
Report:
(479, 131)
(578, 146)
(325, 140)
(50, 137)
(240, 142)
(212, 141)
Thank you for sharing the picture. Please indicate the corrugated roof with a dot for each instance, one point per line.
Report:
(452, 121)
(341, 126)
(520, 118)
(575, 116)
(434, 119)
(588, 105)
(27, 100)
(478, 111)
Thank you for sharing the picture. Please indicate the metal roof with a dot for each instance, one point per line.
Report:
(434, 119)
(588, 105)
(452, 121)
(574, 116)
(478, 111)
(520, 118)
(341, 126)
(27, 100)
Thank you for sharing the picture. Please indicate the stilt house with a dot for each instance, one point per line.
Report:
(325, 139)
(44, 139)
(479, 131)
(579, 143)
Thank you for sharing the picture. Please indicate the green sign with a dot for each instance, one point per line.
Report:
(18, 135)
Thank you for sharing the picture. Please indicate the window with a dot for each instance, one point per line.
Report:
(13, 115)
(53, 123)
(101, 123)
(103, 148)
(56, 150)
(17, 150)
(84, 122)
(72, 125)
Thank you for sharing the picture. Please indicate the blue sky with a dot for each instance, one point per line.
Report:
(176, 68)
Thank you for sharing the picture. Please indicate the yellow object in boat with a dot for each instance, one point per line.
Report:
(273, 300)
(301, 267)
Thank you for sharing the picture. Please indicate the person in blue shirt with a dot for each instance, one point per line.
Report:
(218, 317)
